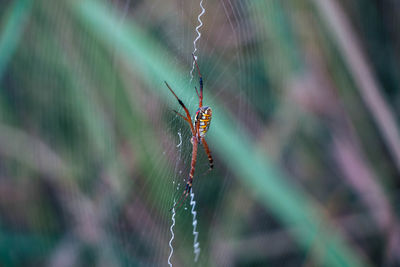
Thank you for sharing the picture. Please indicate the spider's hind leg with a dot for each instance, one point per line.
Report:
(188, 188)
(185, 194)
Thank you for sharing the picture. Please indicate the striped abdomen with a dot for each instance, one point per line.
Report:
(203, 117)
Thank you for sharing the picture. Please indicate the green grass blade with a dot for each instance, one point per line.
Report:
(13, 27)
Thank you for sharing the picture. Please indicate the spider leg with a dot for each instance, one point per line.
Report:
(197, 92)
(184, 195)
(188, 119)
(188, 187)
(208, 152)
(177, 113)
(200, 81)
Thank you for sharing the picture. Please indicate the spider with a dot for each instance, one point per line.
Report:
(199, 128)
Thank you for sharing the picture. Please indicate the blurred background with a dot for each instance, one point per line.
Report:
(305, 137)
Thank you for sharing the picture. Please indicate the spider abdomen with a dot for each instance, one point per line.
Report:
(203, 118)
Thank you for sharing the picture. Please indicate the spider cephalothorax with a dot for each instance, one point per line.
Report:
(199, 128)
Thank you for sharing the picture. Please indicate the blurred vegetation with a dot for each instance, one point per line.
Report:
(304, 133)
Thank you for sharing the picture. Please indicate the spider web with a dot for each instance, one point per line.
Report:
(224, 28)
(92, 156)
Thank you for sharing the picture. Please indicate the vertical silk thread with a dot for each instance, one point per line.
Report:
(172, 233)
(173, 207)
(198, 36)
(196, 244)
